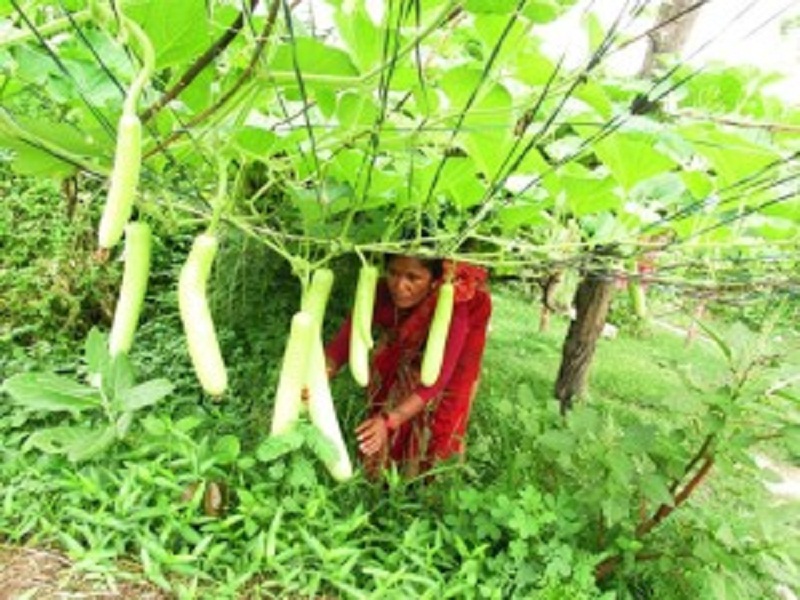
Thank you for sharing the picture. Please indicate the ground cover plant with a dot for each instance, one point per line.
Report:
(266, 151)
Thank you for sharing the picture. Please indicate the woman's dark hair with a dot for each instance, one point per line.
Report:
(434, 265)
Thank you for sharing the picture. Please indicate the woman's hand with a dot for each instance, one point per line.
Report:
(372, 435)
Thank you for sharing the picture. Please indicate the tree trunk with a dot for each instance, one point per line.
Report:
(592, 300)
(678, 17)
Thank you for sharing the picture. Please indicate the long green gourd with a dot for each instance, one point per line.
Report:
(124, 181)
(128, 151)
(361, 324)
(437, 336)
(198, 325)
(295, 365)
(138, 244)
(316, 297)
(320, 400)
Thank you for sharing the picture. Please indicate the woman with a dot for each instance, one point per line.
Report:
(410, 424)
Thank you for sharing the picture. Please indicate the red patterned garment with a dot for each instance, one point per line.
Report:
(438, 432)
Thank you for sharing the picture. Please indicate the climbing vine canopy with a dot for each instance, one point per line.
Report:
(323, 128)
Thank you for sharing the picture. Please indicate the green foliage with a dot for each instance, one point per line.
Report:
(52, 284)
(104, 406)
(622, 455)
(452, 124)
(494, 139)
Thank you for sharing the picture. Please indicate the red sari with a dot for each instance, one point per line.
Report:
(438, 432)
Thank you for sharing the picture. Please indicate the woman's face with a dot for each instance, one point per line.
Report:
(409, 281)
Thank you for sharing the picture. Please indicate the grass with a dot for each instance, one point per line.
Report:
(645, 369)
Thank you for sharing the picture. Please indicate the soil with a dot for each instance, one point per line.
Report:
(34, 573)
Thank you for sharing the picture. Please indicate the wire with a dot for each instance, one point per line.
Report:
(63, 68)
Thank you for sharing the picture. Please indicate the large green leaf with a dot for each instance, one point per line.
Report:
(144, 394)
(718, 89)
(699, 183)
(788, 209)
(32, 65)
(39, 145)
(356, 111)
(491, 7)
(775, 228)
(197, 95)
(532, 66)
(178, 29)
(363, 38)
(664, 189)
(77, 442)
(524, 211)
(86, 81)
(594, 96)
(254, 142)
(489, 28)
(631, 157)
(313, 58)
(49, 392)
(30, 160)
(491, 108)
(604, 228)
(588, 191)
(488, 123)
(461, 180)
(733, 157)
(545, 11)
(489, 149)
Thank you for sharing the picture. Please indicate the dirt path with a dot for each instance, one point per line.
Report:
(34, 573)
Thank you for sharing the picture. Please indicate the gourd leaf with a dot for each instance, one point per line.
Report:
(49, 392)
(313, 58)
(588, 192)
(144, 394)
(363, 38)
(495, 7)
(631, 157)
(177, 29)
(732, 156)
(356, 111)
